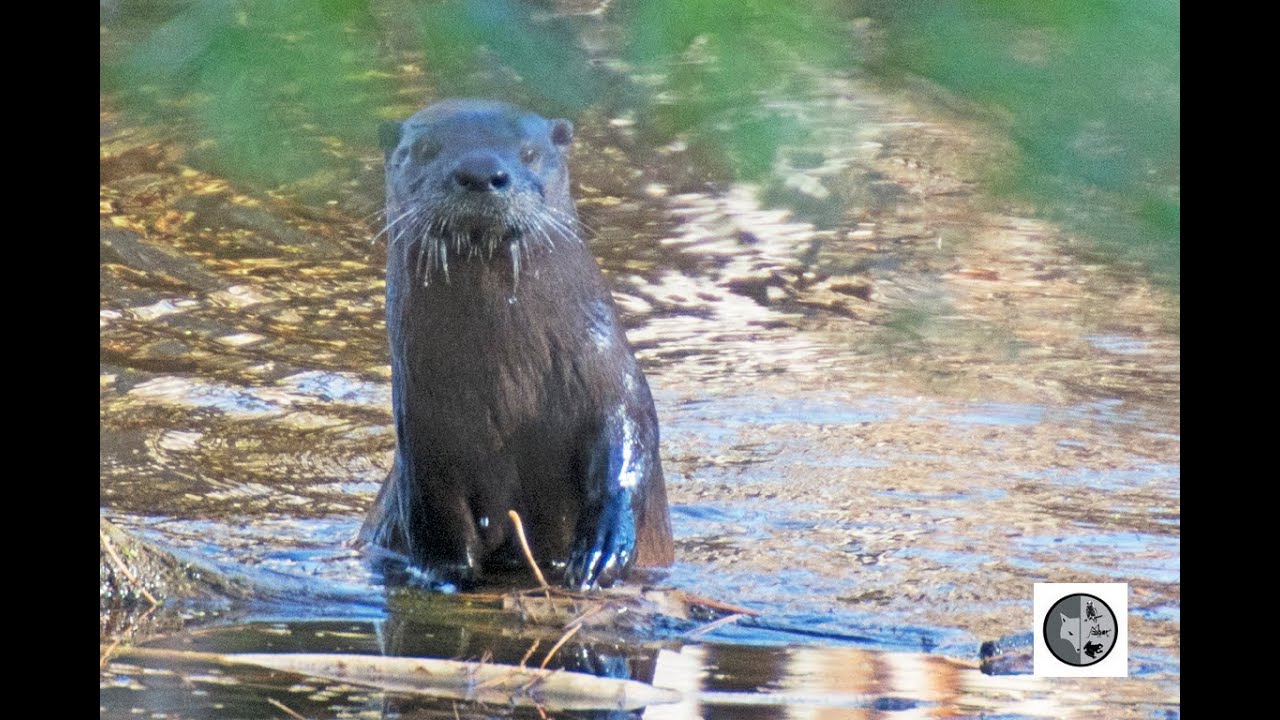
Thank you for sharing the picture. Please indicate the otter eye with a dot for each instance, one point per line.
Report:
(425, 149)
(529, 154)
(561, 132)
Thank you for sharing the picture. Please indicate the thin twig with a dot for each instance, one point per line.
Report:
(285, 708)
(699, 632)
(528, 610)
(119, 564)
(528, 554)
(529, 654)
(106, 655)
(563, 639)
(692, 599)
(589, 613)
(134, 624)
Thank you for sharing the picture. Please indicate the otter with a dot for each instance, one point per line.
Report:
(513, 385)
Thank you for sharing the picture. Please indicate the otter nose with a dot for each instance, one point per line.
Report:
(481, 173)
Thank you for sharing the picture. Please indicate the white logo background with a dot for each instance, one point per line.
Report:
(1115, 595)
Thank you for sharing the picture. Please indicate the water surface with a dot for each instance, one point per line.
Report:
(879, 429)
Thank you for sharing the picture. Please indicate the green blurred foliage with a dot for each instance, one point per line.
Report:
(1091, 93)
(505, 49)
(1089, 89)
(269, 83)
(725, 71)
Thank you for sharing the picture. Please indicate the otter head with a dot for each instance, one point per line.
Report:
(470, 178)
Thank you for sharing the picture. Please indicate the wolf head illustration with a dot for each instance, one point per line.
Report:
(1070, 631)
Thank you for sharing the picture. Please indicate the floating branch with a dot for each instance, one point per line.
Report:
(447, 679)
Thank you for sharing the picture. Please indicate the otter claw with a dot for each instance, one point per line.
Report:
(581, 574)
(608, 557)
(596, 571)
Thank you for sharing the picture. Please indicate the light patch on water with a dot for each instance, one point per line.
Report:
(808, 185)
(631, 304)
(247, 490)
(676, 292)
(162, 308)
(343, 387)
(737, 411)
(1158, 613)
(193, 392)
(179, 440)
(241, 339)
(924, 498)
(240, 296)
(310, 554)
(1007, 414)
(708, 223)
(294, 403)
(1120, 555)
(722, 523)
(712, 324)
(365, 483)
(715, 343)
(1155, 475)
(1108, 410)
(311, 421)
(803, 603)
(1119, 344)
(952, 560)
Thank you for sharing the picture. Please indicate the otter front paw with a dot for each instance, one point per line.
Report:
(603, 551)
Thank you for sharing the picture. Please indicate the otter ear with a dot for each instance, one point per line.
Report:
(389, 136)
(561, 132)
